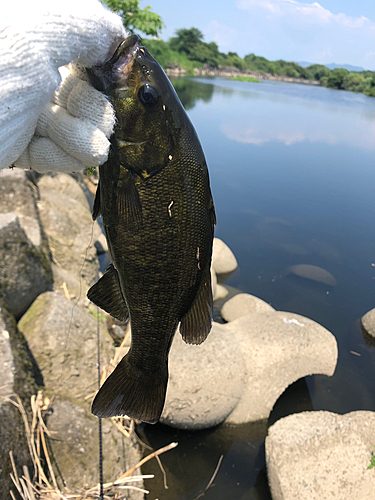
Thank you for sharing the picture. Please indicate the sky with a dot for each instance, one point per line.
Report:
(338, 31)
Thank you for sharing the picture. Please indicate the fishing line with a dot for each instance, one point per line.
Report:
(79, 295)
(101, 494)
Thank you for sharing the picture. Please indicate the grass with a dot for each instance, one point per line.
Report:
(245, 79)
(42, 484)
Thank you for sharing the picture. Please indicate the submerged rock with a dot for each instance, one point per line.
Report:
(279, 348)
(243, 304)
(368, 322)
(205, 382)
(223, 259)
(321, 456)
(313, 273)
(25, 270)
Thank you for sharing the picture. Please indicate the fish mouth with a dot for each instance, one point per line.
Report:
(115, 72)
(123, 58)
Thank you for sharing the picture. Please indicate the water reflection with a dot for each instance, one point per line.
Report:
(190, 92)
(292, 174)
(285, 113)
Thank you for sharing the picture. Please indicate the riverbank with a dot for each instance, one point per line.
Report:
(174, 70)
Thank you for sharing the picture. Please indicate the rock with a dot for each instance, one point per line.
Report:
(325, 250)
(221, 292)
(279, 348)
(63, 339)
(16, 376)
(75, 447)
(101, 244)
(223, 260)
(17, 194)
(205, 382)
(321, 456)
(69, 228)
(313, 273)
(75, 288)
(25, 270)
(213, 282)
(368, 322)
(66, 184)
(243, 304)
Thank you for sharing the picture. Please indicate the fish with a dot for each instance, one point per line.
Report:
(158, 216)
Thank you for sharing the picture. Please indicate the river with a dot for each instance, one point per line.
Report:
(293, 177)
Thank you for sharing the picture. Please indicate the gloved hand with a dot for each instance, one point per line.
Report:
(40, 128)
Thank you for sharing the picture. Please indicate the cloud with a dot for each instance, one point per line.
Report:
(293, 30)
(313, 13)
(259, 135)
(321, 116)
(221, 34)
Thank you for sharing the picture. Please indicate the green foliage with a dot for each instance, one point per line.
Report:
(135, 18)
(318, 71)
(186, 40)
(232, 59)
(354, 82)
(245, 79)
(167, 57)
(90, 171)
(190, 42)
(258, 63)
(280, 67)
(372, 465)
(336, 78)
(189, 50)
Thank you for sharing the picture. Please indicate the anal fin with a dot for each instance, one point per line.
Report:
(106, 293)
(197, 322)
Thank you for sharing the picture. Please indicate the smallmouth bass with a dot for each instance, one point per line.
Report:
(158, 216)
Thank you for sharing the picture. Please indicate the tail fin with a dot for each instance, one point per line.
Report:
(132, 392)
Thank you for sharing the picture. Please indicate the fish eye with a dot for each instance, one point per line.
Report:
(148, 96)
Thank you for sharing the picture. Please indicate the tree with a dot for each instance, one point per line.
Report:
(354, 82)
(318, 71)
(135, 18)
(186, 40)
(190, 41)
(336, 78)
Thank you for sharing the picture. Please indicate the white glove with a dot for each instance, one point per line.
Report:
(72, 129)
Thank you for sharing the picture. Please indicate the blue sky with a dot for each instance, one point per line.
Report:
(340, 31)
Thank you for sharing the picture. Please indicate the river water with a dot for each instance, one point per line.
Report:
(293, 177)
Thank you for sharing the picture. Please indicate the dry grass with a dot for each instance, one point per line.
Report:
(43, 484)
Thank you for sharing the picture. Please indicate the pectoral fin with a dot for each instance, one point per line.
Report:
(128, 201)
(197, 322)
(106, 294)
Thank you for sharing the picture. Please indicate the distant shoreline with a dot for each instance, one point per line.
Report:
(230, 72)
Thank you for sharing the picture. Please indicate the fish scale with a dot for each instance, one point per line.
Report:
(158, 216)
